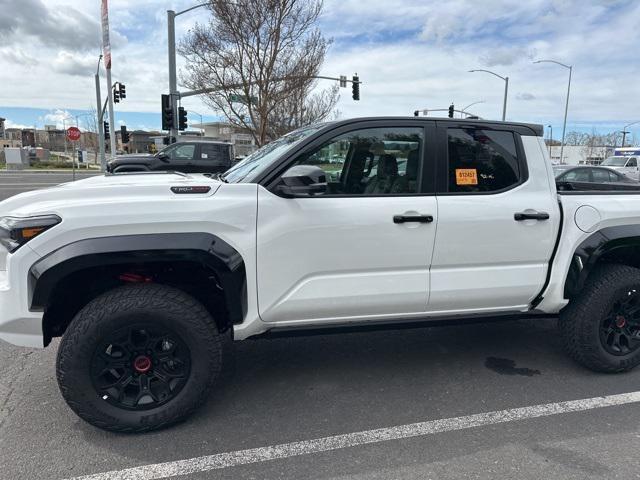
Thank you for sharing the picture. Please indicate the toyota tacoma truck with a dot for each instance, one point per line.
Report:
(375, 221)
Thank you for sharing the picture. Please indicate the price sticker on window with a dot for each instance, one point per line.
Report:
(466, 176)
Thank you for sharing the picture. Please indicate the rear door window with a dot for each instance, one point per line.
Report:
(482, 161)
(580, 175)
(214, 153)
(600, 176)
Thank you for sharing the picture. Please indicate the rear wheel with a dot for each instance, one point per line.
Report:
(139, 358)
(601, 328)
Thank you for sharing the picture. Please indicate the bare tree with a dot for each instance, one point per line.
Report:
(260, 56)
(91, 127)
(301, 108)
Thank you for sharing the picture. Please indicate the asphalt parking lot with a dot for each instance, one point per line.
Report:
(436, 384)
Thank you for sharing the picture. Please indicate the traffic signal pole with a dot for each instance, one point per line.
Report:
(112, 139)
(103, 159)
(173, 81)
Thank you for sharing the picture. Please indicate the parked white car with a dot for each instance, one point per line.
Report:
(147, 276)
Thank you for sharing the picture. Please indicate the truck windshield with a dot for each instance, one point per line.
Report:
(251, 167)
(615, 161)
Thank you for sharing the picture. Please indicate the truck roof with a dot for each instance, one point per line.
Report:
(537, 129)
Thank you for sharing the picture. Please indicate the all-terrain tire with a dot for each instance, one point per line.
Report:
(580, 322)
(156, 306)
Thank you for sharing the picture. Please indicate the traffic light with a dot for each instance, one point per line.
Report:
(416, 113)
(167, 113)
(355, 87)
(123, 91)
(116, 94)
(451, 109)
(107, 136)
(124, 134)
(182, 119)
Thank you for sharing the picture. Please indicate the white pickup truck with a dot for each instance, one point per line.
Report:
(373, 221)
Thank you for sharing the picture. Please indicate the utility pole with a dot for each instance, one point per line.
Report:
(550, 138)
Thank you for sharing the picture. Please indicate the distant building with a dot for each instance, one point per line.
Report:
(580, 154)
(140, 141)
(241, 138)
(2, 120)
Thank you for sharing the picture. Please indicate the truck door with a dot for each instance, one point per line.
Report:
(497, 219)
(631, 168)
(362, 250)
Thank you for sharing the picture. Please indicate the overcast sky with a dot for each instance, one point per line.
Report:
(409, 54)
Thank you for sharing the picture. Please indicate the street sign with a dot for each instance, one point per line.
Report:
(73, 134)
(106, 44)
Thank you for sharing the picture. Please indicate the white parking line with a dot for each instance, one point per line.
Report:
(306, 447)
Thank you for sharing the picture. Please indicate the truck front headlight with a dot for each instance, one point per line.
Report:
(16, 231)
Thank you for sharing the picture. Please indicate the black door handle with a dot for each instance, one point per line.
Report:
(412, 218)
(518, 217)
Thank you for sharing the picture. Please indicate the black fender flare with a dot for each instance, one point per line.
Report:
(203, 248)
(607, 242)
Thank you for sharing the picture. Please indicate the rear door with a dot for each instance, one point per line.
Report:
(362, 250)
(631, 168)
(497, 220)
(212, 158)
(182, 157)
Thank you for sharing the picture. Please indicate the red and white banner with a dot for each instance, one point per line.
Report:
(106, 45)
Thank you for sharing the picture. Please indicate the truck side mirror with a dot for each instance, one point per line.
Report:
(303, 181)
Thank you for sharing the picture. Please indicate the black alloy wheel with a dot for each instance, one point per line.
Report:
(600, 328)
(620, 328)
(140, 367)
(139, 357)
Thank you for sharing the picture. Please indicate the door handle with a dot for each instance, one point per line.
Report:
(412, 218)
(518, 217)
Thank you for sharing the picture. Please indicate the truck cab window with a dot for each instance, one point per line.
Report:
(373, 161)
(482, 160)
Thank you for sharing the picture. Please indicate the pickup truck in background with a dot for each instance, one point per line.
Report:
(146, 277)
(186, 156)
(625, 161)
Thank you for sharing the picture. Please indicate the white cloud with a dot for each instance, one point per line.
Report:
(9, 124)
(409, 54)
(59, 118)
(74, 63)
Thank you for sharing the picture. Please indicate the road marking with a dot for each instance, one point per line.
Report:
(337, 442)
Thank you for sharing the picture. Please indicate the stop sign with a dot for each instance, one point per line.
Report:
(73, 134)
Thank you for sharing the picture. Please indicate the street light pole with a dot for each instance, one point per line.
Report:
(566, 106)
(506, 89)
(624, 132)
(550, 138)
(464, 110)
(201, 127)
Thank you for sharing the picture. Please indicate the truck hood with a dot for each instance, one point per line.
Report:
(105, 189)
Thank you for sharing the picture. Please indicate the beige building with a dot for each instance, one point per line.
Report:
(241, 139)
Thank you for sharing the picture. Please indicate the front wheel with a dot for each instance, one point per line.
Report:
(139, 358)
(600, 328)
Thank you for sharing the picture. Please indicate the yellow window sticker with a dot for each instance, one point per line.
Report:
(466, 176)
